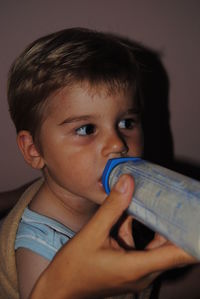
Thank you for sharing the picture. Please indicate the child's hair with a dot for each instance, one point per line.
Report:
(62, 59)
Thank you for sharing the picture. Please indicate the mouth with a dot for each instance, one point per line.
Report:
(100, 183)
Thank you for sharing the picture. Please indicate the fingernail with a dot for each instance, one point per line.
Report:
(121, 185)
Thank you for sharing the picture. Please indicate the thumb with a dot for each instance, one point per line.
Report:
(113, 207)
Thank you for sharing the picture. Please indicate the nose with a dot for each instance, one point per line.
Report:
(114, 145)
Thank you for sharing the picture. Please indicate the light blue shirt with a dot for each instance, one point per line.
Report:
(41, 234)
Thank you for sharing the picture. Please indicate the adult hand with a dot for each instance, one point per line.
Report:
(94, 265)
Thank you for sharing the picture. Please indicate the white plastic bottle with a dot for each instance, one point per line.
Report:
(165, 201)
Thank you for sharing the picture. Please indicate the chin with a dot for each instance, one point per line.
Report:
(102, 199)
(98, 198)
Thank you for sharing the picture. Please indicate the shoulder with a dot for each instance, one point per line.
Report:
(41, 234)
(37, 241)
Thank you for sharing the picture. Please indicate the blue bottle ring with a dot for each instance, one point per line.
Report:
(112, 163)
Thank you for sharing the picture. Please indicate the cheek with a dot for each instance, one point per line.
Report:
(77, 175)
(136, 143)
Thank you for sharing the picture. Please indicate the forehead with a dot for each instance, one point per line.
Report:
(83, 92)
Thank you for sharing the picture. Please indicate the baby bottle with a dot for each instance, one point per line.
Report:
(163, 200)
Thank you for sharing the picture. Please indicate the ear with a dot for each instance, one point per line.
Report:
(31, 154)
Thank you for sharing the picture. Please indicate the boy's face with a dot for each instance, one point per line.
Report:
(84, 128)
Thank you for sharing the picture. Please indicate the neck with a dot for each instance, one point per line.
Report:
(72, 211)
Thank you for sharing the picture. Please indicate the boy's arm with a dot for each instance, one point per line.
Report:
(29, 267)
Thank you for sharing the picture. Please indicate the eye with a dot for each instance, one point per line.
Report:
(128, 123)
(86, 130)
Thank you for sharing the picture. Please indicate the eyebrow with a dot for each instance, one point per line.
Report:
(75, 119)
(132, 111)
(135, 111)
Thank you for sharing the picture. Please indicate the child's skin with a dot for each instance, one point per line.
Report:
(83, 128)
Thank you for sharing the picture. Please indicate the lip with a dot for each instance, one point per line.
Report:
(100, 179)
(100, 183)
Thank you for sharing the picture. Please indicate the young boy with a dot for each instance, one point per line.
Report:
(75, 101)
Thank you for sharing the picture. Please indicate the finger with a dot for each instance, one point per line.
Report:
(112, 208)
(170, 256)
(135, 265)
(125, 233)
(156, 242)
(160, 259)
